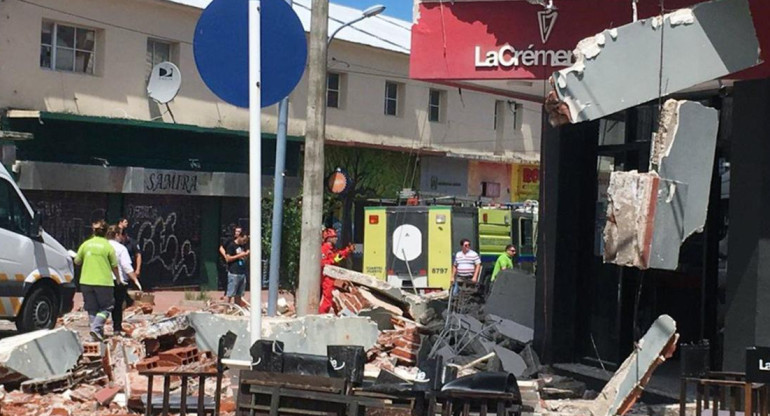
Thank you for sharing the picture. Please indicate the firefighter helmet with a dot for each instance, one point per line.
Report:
(329, 233)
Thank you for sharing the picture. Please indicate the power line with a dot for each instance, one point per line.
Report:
(361, 30)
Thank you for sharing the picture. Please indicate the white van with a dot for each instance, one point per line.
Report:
(36, 273)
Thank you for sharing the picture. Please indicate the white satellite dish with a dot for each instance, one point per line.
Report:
(407, 242)
(164, 83)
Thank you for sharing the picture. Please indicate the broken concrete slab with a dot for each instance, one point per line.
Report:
(511, 330)
(307, 335)
(625, 387)
(381, 316)
(376, 302)
(513, 297)
(621, 68)
(559, 388)
(365, 280)
(683, 150)
(530, 357)
(645, 217)
(512, 362)
(39, 355)
(413, 304)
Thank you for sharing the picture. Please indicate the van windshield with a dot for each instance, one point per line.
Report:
(13, 214)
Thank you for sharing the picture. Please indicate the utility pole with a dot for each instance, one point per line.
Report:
(309, 291)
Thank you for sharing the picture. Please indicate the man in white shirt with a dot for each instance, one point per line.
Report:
(467, 264)
(126, 272)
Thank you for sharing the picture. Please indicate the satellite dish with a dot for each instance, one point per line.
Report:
(164, 83)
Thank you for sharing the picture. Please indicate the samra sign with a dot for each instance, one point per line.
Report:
(514, 39)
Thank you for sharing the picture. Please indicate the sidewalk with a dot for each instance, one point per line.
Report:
(164, 299)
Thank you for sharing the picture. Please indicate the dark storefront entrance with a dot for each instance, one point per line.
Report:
(594, 311)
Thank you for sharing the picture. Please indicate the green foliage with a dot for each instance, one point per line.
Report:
(290, 239)
(375, 173)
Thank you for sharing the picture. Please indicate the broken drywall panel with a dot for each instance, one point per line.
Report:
(627, 384)
(683, 150)
(645, 217)
(621, 68)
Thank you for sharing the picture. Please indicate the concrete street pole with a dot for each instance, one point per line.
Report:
(255, 170)
(276, 237)
(276, 232)
(309, 291)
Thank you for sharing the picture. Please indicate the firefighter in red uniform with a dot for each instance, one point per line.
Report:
(330, 256)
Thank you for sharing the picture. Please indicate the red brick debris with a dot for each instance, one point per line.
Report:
(106, 380)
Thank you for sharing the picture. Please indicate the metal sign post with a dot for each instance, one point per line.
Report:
(255, 170)
(230, 39)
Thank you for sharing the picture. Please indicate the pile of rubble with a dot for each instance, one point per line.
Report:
(414, 328)
(61, 372)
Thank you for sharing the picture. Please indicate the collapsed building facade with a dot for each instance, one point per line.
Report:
(590, 307)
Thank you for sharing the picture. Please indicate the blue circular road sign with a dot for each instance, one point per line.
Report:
(221, 48)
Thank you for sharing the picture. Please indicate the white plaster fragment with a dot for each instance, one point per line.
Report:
(668, 126)
(681, 17)
(591, 47)
(676, 18)
(588, 48)
(657, 22)
(671, 192)
(613, 33)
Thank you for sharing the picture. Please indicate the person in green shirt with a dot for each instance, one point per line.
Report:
(505, 261)
(96, 283)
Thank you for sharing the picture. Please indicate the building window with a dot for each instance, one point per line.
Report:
(67, 48)
(434, 105)
(333, 88)
(517, 110)
(498, 105)
(157, 52)
(391, 98)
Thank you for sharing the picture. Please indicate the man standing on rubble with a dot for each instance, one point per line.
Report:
(236, 256)
(99, 264)
(467, 265)
(134, 251)
(504, 262)
(330, 256)
(126, 272)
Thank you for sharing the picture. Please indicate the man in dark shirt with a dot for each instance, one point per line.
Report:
(236, 256)
(133, 247)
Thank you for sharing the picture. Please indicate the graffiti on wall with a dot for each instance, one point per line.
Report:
(168, 233)
(67, 216)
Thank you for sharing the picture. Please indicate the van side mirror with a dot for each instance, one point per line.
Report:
(36, 225)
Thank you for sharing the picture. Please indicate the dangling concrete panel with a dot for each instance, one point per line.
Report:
(621, 68)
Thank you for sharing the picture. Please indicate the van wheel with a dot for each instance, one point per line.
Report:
(40, 311)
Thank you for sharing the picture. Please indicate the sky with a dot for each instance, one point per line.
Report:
(401, 9)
